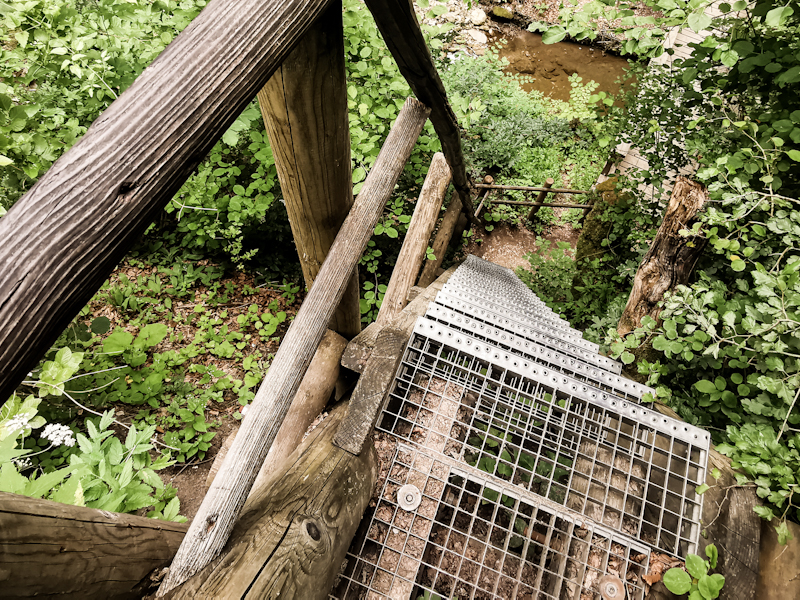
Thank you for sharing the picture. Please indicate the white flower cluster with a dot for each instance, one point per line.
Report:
(58, 435)
(18, 423)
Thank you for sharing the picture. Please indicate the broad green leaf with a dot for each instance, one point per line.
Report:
(677, 581)
(696, 566)
(5, 161)
(777, 16)
(710, 585)
(554, 35)
(699, 21)
(705, 387)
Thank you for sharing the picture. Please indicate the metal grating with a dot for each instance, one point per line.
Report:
(621, 465)
(536, 332)
(473, 539)
(443, 318)
(472, 304)
(524, 468)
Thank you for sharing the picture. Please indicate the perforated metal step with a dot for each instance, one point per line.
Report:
(524, 466)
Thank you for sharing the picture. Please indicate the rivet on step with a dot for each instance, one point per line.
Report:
(409, 497)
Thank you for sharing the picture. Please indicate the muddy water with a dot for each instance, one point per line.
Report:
(551, 65)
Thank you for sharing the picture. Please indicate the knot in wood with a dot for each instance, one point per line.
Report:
(313, 531)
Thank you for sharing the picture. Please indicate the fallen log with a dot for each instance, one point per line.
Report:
(49, 550)
(220, 509)
(63, 238)
(296, 527)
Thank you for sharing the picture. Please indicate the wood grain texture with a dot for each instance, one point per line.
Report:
(360, 348)
(296, 527)
(440, 243)
(223, 502)
(311, 398)
(731, 524)
(48, 549)
(304, 106)
(62, 239)
(415, 243)
(398, 25)
(371, 390)
(670, 260)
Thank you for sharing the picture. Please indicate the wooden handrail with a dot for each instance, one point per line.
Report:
(63, 238)
(523, 188)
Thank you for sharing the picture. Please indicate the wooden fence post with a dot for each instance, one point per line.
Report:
(540, 198)
(440, 242)
(305, 112)
(214, 522)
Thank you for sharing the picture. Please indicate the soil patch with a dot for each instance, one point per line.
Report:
(507, 245)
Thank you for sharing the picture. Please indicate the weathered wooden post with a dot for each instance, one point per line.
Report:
(305, 112)
(440, 242)
(419, 233)
(540, 198)
(296, 526)
(62, 239)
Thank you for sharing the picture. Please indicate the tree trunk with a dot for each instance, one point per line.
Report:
(305, 112)
(62, 239)
(296, 527)
(220, 509)
(671, 258)
(416, 242)
(57, 550)
(398, 25)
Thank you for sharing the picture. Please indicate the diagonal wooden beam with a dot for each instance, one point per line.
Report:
(221, 506)
(398, 25)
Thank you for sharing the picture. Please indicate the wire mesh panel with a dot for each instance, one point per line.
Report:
(472, 539)
(536, 332)
(621, 465)
(576, 368)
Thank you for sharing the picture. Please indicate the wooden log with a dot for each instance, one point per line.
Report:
(63, 238)
(540, 198)
(671, 258)
(296, 527)
(305, 111)
(480, 206)
(398, 25)
(57, 550)
(440, 243)
(218, 513)
(730, 523)
(360, 348)
(311, 398)
(416, 242)
(371, 390)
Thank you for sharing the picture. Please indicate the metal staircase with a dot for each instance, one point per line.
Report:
(525, 466)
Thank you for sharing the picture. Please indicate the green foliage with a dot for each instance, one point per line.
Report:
(695, 580)
(551, 272)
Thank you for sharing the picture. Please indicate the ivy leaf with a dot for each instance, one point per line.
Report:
(627, 358)
(704, 386)
(777, 16)
(710, 585)
(784, 535)
(696, 566)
